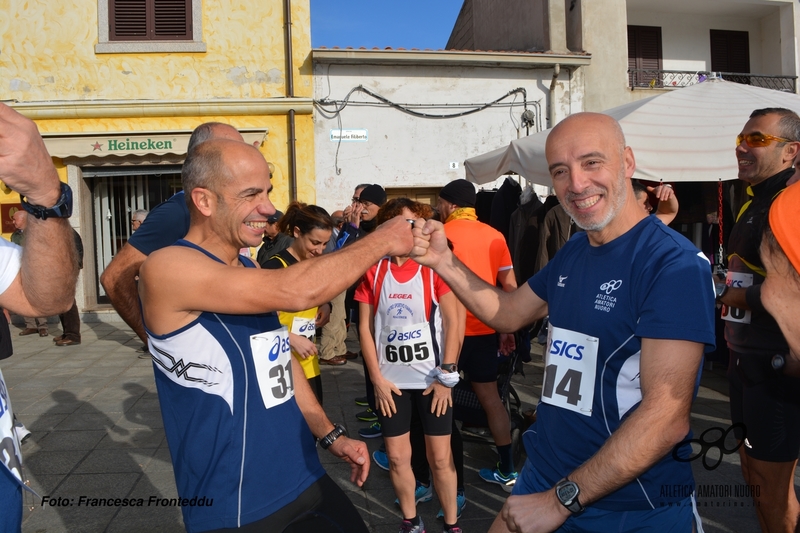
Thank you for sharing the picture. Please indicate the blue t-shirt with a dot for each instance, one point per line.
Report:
(165, 224)
(232, 444)
(648, 283)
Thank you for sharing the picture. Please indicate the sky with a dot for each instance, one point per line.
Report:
(383, 23)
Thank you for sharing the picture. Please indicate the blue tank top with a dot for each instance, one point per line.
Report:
(238, 459)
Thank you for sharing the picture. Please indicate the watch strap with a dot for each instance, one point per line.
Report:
(326, 441)
(62, 209)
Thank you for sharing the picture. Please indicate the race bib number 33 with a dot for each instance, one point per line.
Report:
(272, 356)
(570, 368)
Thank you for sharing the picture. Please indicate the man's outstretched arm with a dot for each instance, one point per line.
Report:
(502, 311)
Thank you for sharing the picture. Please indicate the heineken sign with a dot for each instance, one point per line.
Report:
(137, 144)
(125, 143)
(128, 145)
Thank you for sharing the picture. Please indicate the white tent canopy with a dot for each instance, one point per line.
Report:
(687, 134)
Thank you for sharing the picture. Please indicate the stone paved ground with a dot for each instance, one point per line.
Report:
(97, 432)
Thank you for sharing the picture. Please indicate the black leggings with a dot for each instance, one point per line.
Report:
(322, 508)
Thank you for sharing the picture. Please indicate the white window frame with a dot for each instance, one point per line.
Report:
(104, 46)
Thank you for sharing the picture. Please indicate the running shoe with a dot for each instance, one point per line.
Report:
(362, 401)
(379, 456)
(407, 527)
(461, 502)
(493, 475)
(22, 432)
(367, 416)
(422, 494)
(454, 529)
(372, 432)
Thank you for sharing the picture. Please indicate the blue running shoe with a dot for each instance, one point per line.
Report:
(493, 475)
(372, 432)
(422, 494)
(379, 456)
(461, 502)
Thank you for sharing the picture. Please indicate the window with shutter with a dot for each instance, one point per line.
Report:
(150, 20)
(149, 26)
(644, 54)
(730, 52)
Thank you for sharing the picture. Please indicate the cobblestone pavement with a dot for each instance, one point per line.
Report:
(97, 432)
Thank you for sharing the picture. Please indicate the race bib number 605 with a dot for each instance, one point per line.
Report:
(570, 368)
(272, 356)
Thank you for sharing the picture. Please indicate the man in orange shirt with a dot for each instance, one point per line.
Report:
(484, 251)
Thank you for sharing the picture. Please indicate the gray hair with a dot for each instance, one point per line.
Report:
(204, 132)
(204, 168)
(789, 123)
(140, 215)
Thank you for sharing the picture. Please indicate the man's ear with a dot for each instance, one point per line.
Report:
(629, 161)
(790, 151)
(204, 200)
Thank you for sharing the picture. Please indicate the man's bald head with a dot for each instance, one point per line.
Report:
(597, 122)
(213, 130)
(208, 165)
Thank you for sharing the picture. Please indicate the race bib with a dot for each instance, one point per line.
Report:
(570, 368)
(304, 327)
(10, 456)
(272, 356)
(406, 345)
(739, 280)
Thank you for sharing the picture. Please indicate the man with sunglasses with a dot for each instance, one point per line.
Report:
(763, 399)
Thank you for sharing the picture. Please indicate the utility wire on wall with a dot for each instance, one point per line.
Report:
(333, 108)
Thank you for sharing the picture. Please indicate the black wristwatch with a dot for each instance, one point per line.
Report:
(567, 493)
(449, 367)
(326, 441)
(62, 209)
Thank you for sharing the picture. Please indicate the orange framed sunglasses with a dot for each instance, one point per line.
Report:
(755, 140)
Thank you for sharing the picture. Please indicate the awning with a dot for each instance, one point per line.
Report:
(102, 144)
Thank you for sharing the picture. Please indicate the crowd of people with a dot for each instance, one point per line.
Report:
(432, 292)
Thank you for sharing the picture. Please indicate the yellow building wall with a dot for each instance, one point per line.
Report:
(48, 54)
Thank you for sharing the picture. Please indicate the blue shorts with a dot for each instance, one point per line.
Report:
(677, 518)
(10, 502)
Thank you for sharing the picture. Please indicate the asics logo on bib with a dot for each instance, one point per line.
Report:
(571, 351)
(403, 336)
(611, 286)
(279, 345)
(737, 283)
(306, 328)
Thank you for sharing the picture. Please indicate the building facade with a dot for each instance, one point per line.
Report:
(116, 91)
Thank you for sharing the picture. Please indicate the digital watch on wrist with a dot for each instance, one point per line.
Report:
(567, 493)
(326, 441)
(62, 209)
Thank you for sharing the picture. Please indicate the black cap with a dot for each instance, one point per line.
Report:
(276, 217)
(373, 193)
(459, 192)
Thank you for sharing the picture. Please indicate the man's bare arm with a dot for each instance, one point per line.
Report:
(119, 281)
(668, 369)
(49, 269)
(202, 284)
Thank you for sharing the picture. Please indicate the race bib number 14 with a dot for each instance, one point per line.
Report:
(570, 368)
(272, 356)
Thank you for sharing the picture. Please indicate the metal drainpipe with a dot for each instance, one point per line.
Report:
(287, 16)
(552, 102)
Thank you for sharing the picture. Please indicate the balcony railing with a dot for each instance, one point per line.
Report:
(664, 79)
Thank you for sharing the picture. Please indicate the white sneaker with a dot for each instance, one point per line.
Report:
(22, 432)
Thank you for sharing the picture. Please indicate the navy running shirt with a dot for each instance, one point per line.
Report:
(648, 283)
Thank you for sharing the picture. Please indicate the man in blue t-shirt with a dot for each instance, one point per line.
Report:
(631, 311)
